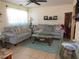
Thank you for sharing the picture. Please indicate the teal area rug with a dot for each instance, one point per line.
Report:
(54, 48)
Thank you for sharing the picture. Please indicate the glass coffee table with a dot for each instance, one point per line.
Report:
(43, 38)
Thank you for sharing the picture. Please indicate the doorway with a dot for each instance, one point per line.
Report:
(67, 25)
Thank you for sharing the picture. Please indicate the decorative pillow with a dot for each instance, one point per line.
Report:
(8, 29)
(24, 30)
(15, 30)
(58, 27)
(19, 30)
(35, 27)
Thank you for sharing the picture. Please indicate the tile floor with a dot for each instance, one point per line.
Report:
(20, 52)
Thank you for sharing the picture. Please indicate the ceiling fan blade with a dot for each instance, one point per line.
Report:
(36, 3)
(28, 3)
(33, 1)
(41, 0)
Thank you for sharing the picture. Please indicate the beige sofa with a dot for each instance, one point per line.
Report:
(55, 31)
(17, 34)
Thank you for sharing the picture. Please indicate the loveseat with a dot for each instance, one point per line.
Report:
(16, 34)
(56, 31)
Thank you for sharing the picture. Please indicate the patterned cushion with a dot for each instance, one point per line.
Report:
(16, 30)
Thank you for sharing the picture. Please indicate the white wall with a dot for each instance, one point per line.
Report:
(3, 17)
(37, 14)
(77, 31)
(74, 2)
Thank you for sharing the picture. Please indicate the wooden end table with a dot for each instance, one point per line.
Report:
(6, 54)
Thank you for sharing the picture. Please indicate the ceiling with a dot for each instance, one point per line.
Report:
(48, 3)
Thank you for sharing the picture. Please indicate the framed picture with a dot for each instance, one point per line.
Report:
(45, 17)
(50, 18)
(55, 17)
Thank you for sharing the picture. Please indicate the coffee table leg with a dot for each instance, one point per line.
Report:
(33, 39)
(49, 41)
(49, 44)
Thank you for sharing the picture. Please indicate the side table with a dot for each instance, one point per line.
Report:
(68, 51)
(5, 54)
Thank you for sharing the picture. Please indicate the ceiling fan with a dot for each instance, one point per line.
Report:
(36, 1)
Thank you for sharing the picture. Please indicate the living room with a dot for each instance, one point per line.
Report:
(36, 30)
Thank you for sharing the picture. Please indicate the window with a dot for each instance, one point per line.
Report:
(17, 17)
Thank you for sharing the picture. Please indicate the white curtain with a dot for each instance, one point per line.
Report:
(17, 17)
